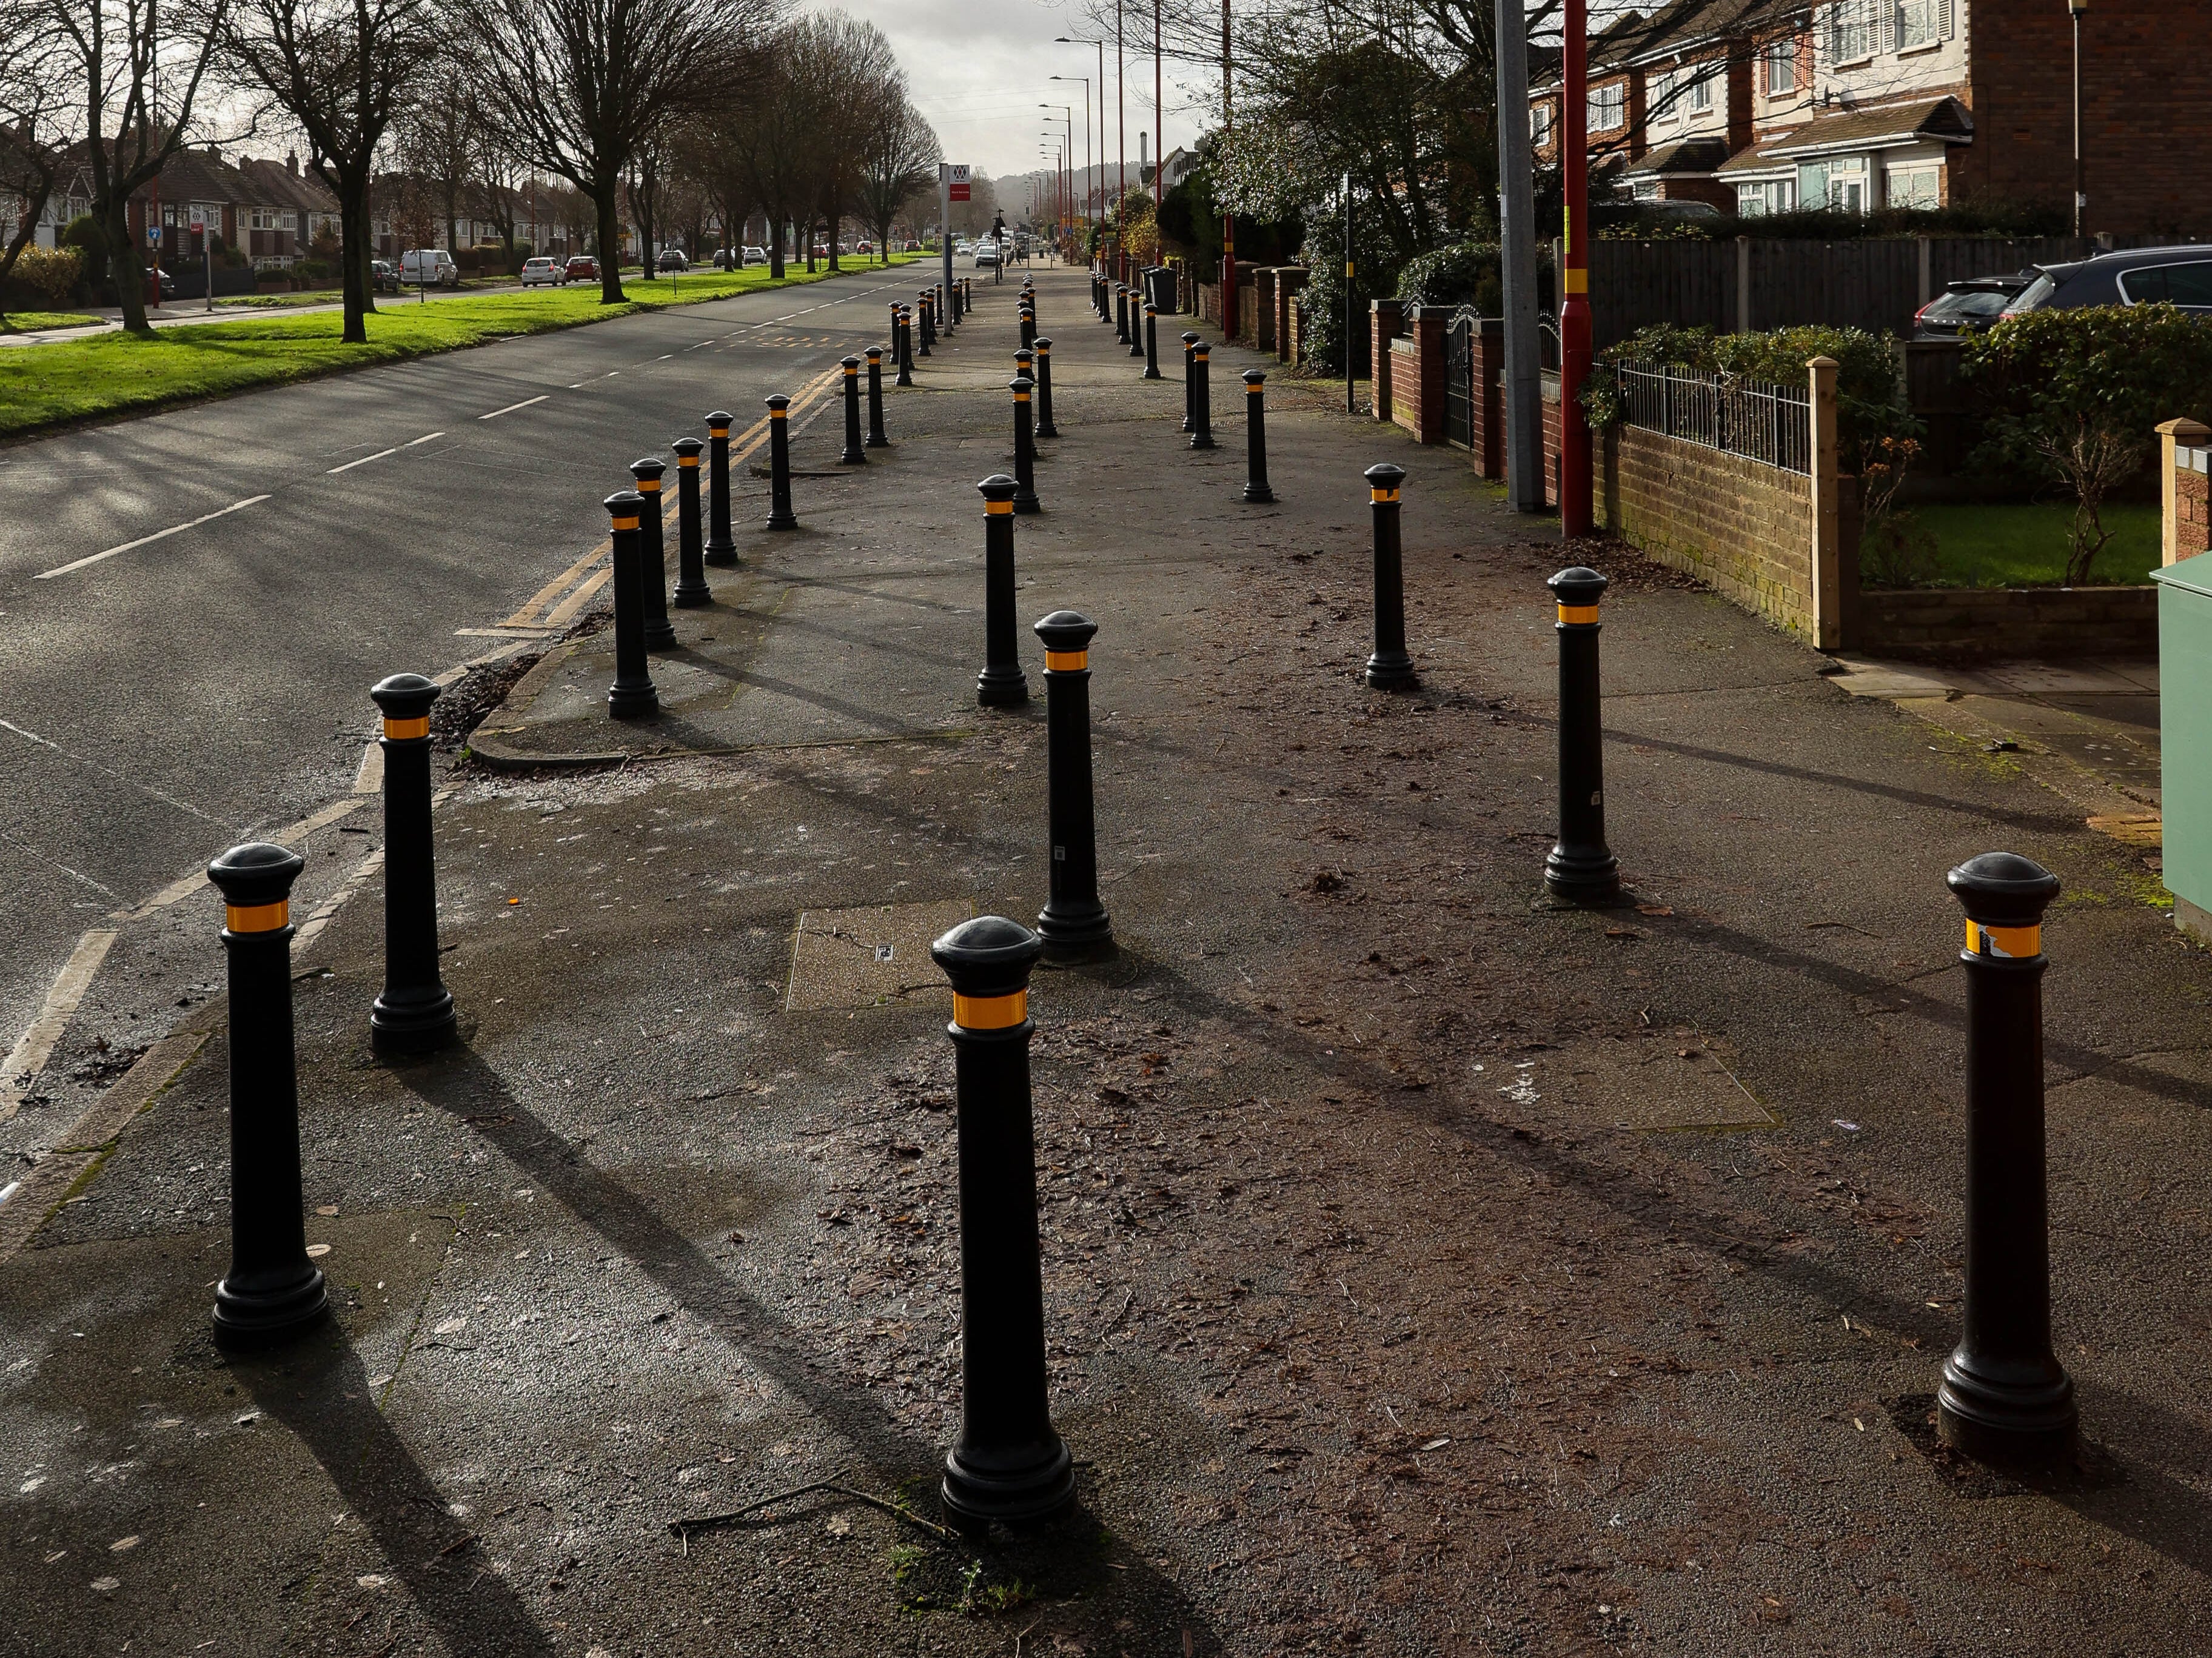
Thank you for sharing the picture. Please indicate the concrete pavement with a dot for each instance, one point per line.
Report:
(1429, 1270)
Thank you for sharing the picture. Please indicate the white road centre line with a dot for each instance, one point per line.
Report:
(512, 407)
(204, 518)
(425, 438)
(363, 461)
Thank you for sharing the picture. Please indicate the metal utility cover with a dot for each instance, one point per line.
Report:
(874, 956)
(1652, 1084)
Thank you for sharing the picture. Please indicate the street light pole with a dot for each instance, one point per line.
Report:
(2080, 176)
(1574, 280)
(1086, 132)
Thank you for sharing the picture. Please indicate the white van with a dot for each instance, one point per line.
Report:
(429, 267)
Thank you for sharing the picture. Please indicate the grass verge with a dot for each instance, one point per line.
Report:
(2023, 545)
(43, 386)
(32, 322)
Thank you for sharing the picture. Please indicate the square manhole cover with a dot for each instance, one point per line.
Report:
(1654, 1084)
(873, 957)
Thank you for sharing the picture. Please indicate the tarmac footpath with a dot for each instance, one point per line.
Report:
(1429, 1269)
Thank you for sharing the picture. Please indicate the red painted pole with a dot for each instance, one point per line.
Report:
(1575, 350)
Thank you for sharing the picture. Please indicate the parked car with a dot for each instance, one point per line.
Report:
(429, 267)
(541, 272)
(671, 258)
(912, 246)
(583, 268)
(383, 276)
(865, 247)
(986, 254)
(1969, 306)
(2141, 275)
(755, 256)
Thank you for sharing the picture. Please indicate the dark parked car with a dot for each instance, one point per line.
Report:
(383, 276)
(1967, 306)
(2142, 275)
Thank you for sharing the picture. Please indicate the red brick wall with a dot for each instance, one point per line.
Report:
(2193, 510)
(1404, 355)
(1383, 326)
(1489, 445)
(2146, 126)
(1288, 282)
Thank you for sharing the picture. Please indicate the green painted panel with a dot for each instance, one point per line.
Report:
(2184, 706)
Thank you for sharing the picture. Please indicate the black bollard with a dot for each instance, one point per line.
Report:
(691, 590)
(1136, 325)
(1029, 325)
(271, 1289)
(895, 333)
(1255, 436)
(721, 548)
(1152, 343)
(1390, 668)
(1008, 1465)
(1045, 428)
(415, 1013)
(652, 564)
(876, 438)
(2005, 1397)
(905, 348)
(854, 455)
(779, 515)
(1190, 383)
(944, 319)
(1001, 683)
(1025, 364)
(1580, 867)
(1202, 395)
(1120, 313)
(1073, 923)
(632, 695)
(1025, 495)
(959, 306)
(926, 332)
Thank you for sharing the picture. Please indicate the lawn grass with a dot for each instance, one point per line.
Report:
(31, 322)
(2023, 545)
(47, 385)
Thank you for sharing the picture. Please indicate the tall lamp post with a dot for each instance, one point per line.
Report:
(1087, 134)
(1067, 112)
(1575, 334)
(2080, 177)
(1083, 40)
(1228, 219)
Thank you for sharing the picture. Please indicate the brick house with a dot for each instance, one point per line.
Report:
(1754, 106)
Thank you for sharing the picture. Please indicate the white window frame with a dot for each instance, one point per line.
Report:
(1781, 66)
(1662, 105)
(1540, 123)
(1912, 177)
(1854, 31)
(1702, 76)
(1608, 107)
(1916, 25)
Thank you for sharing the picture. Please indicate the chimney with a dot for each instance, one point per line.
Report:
(292, 160)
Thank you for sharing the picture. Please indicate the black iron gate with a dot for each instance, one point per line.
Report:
(1459, 379)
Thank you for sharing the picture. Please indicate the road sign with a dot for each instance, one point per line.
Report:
(959, 181)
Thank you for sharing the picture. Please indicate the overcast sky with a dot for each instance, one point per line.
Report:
(979, 70)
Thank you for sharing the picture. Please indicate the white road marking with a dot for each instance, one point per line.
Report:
(425, 438)
(512, 407)
(665, 356)
(206, 518)
(143, 788)
(363, 461)
(36, 1046)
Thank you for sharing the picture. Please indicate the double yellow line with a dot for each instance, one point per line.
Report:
(560, 600)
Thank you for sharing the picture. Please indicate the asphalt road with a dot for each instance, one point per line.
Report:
(163, 699)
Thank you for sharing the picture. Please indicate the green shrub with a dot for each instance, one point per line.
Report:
(49, 273)
(1461, 273)
(1869, 405)
(2077, 394)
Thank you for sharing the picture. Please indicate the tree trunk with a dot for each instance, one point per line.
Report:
(353, 264)
(611, 289)
(776, 242)
(123, 269)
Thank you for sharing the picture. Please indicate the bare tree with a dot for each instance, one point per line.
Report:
(574, 87)
(339, 70)
(114, 53)
(39, 119)
(899, 156)
(441, 142)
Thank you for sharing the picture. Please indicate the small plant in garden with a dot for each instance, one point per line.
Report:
(2077, 395)
(1895, 550)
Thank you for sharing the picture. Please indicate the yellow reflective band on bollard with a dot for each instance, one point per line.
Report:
(1577, 612)
(687, 460)
(775, 414)
(1384, 496)
(990, 1012)
(1253, 390)
(257, 918)
(718, 431)
(994, 507)
(2015, 942)
(648, 486)
(399, 729)
(1021, 397)
(1067, 661)
(625, 523)
(1578, 280)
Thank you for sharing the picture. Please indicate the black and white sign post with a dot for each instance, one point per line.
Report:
(952, 187)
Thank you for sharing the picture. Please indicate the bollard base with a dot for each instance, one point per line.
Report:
(1203, 440)
(690, 597)
(1259, 495)
(412, 1024)
(854, 457)
(781, 521)
(723, 558)
(660, 635)
(1027, 504)
(630, 702)
(1076, 933)
(879, 442)
(1010, 1491)
(1046, 429)
(2029, 1423)
(1581, 876)
(258, 1314)
(1391, 670)
(1001, 687)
